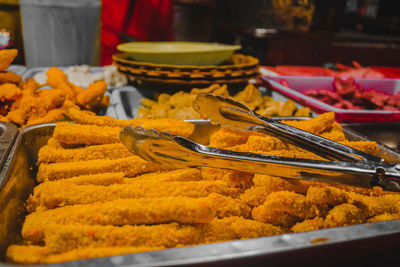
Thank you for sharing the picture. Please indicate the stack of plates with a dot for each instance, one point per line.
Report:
(169, 67)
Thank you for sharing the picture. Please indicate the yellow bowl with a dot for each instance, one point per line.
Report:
(179, 53)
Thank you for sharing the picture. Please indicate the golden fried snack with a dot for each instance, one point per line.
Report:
(366, 146)
(52, 154)
(174, 127)
(10, 77)
(7, 57)
(258, 143)
(250, 96)
(254, 196)
(60, 238)
(384, 217)
(183, 175)
(344, 214)
(130, 166)
(242, 180)
(78, 134)
(9, 91)
(227, 206)
(288, 202)
(40, 255)
(327, 195)
(226, 137)
(52, 195)
(122, 212)
(316, 223)
(324, 122)
(91, 97)
(373, 206)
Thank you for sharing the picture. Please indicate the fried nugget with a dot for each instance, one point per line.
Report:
(122, 212)
(130, 166)
(254, 196)
(9, 91)
(7, 57)
(10, 77)
(54, 195)
(385, 217)
(327, 195)
(314, 224)
(344, 214)
(91, 97)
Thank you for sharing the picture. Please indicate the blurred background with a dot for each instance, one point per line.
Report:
(277, 32)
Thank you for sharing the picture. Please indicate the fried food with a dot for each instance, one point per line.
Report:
(25, 103)
(122, 212)
(52, 195)
(52, 154)
(41, 255)
(130, 166)
(7, 57)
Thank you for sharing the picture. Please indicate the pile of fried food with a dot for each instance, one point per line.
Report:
(26, 103)
(179, 105)
(96, 199)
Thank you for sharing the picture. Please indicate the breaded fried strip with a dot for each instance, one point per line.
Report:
(121, 212)
(73, 134)
(324, 122)
(237, 179)
(373, 206)
(54, 195)
(39, 255)
(67, 237)
(264, 143)
(366, 146)
(326, 195)
(385, 217)
(227, 206)
(231, 228)
(273, 184)
(174, 127)
(27, 254)
(52, 154)
(316, 223)
(285, 201)
(187, 174)
(60, 238)
(226, 137)
(95, 179)
(344, 214)
(254, 196)
(130, 166)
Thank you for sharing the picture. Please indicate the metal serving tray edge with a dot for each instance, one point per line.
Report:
(18, 180)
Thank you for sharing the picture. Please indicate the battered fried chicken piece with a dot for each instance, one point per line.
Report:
(337, 136)
(326, 195)
(273, 184)
(254, 196)
(130, 166)
(122, 212)
(7, 57)
(9, 91)
(226, 137)
(10, 77)
(51, 154)
(56, 78)
(324, 122)
(72, 134)
(366, 146)
(314, 224)
(250, 96)
(373, 206)
(228, 206)
(293, 153)
(344, 214)
(174, 127)
(385, 217)
(288, 202)
(53, 195)
(51, 116)
(41, 255)
(265, 143)
(242, 180)
(91, 97)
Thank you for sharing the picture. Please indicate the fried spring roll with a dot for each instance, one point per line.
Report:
(130, 166)
(174, 127)
(55, 195)
(77, 134)
(51, 154)
(123, 211)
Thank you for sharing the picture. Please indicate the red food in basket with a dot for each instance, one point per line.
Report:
(349, 95)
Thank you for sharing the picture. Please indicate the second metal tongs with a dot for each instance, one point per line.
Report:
(351, 166)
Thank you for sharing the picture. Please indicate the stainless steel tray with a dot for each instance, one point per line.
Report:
(336, 245)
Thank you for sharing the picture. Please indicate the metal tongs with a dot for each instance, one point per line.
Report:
(348, 166)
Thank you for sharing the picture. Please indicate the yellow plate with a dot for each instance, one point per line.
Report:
(179, 53)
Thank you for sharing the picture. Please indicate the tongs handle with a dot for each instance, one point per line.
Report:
(228, 112)
(180, 152)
